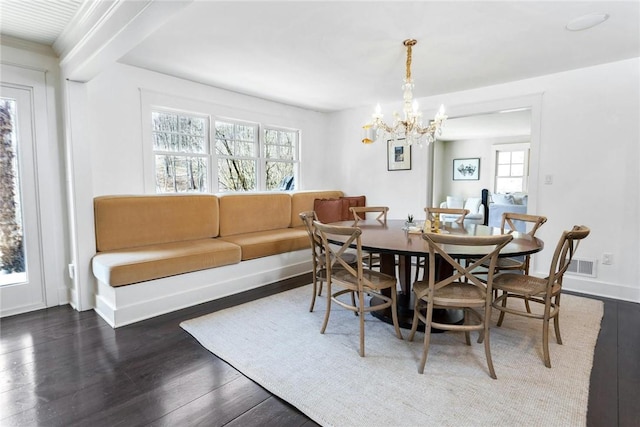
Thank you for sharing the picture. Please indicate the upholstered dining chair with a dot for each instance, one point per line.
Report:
(319, 272)
(354, 280)
(359, 214)
(461, 290)
(517, 264)
(543, 291)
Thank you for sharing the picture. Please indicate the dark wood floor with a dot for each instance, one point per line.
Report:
(59, 367)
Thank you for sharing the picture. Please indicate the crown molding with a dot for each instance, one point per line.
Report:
(102, 32)
(27, 45)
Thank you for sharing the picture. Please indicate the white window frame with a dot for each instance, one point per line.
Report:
(155, 101)
(497, 148)
(186, 154)
(296, 154)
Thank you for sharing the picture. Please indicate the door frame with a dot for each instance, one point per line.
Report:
(49, 179)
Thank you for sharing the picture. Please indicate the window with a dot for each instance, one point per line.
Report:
(236, 152)
(511, 171)
(180, 147)
(244, 156)
(280, 158)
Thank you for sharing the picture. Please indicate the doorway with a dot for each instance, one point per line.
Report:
(22, 286)
(525, 110)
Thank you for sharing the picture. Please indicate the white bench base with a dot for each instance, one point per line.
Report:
(124, 305)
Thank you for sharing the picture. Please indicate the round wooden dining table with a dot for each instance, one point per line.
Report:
(394, 242)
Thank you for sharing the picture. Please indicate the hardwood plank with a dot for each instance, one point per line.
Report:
(51, 324)
(218, 407)
(603, 389)
(628, 363)
(273, 412)
(62, 367)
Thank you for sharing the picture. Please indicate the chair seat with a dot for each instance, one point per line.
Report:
(349, 257)
(378, 280)
(456, 294)
(522, 284)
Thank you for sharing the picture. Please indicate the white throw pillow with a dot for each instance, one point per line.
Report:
(473, 203)
(455, 202)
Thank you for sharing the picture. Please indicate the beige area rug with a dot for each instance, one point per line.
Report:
(276, 342)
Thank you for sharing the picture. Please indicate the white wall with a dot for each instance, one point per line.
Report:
(588, 141)
(116, 125)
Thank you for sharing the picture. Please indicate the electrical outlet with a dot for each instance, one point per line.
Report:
(548, 179)
(72, 271)
(607, 259)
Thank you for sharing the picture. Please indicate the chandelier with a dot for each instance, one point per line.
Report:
(409, 127)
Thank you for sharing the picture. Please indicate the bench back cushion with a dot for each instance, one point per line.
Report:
(131, 221)
(303, 201)
(248, 213)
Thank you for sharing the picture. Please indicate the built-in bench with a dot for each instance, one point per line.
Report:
(160, 253)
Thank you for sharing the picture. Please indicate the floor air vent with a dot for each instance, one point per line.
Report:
(582, 267)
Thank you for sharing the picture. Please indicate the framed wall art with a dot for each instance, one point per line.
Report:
(398, 155)
(466, 169)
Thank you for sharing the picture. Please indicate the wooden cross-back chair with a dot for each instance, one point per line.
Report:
(543, 291)
(318, 259)
(354, 280)
(508, 226)
(462, 289)
(432, 212)
(359, 214)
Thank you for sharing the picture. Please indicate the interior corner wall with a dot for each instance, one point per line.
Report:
(589, 145)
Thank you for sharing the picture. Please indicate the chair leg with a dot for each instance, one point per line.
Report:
(394, 313)
(416, 320)
(427, 337)
(361, 311)
(504, 304)
(556, 326)
(556, 320)
(545, 342)
(486, 334)
(526, 304)
(328, 312)
(487, 352)
(313, 294)
(467, 335)
(353, 302)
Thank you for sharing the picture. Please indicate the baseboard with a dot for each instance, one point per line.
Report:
(602, 289)
(124, 305)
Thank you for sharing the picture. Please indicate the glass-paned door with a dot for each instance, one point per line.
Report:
(21, 284)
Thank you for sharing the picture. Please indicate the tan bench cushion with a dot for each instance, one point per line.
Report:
(133, 265)
(133, 221)
(265, 243)
(250, 213)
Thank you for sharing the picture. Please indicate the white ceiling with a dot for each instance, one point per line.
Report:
(37, 21)
(330, 55)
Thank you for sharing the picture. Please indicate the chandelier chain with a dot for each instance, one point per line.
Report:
(409, 43)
